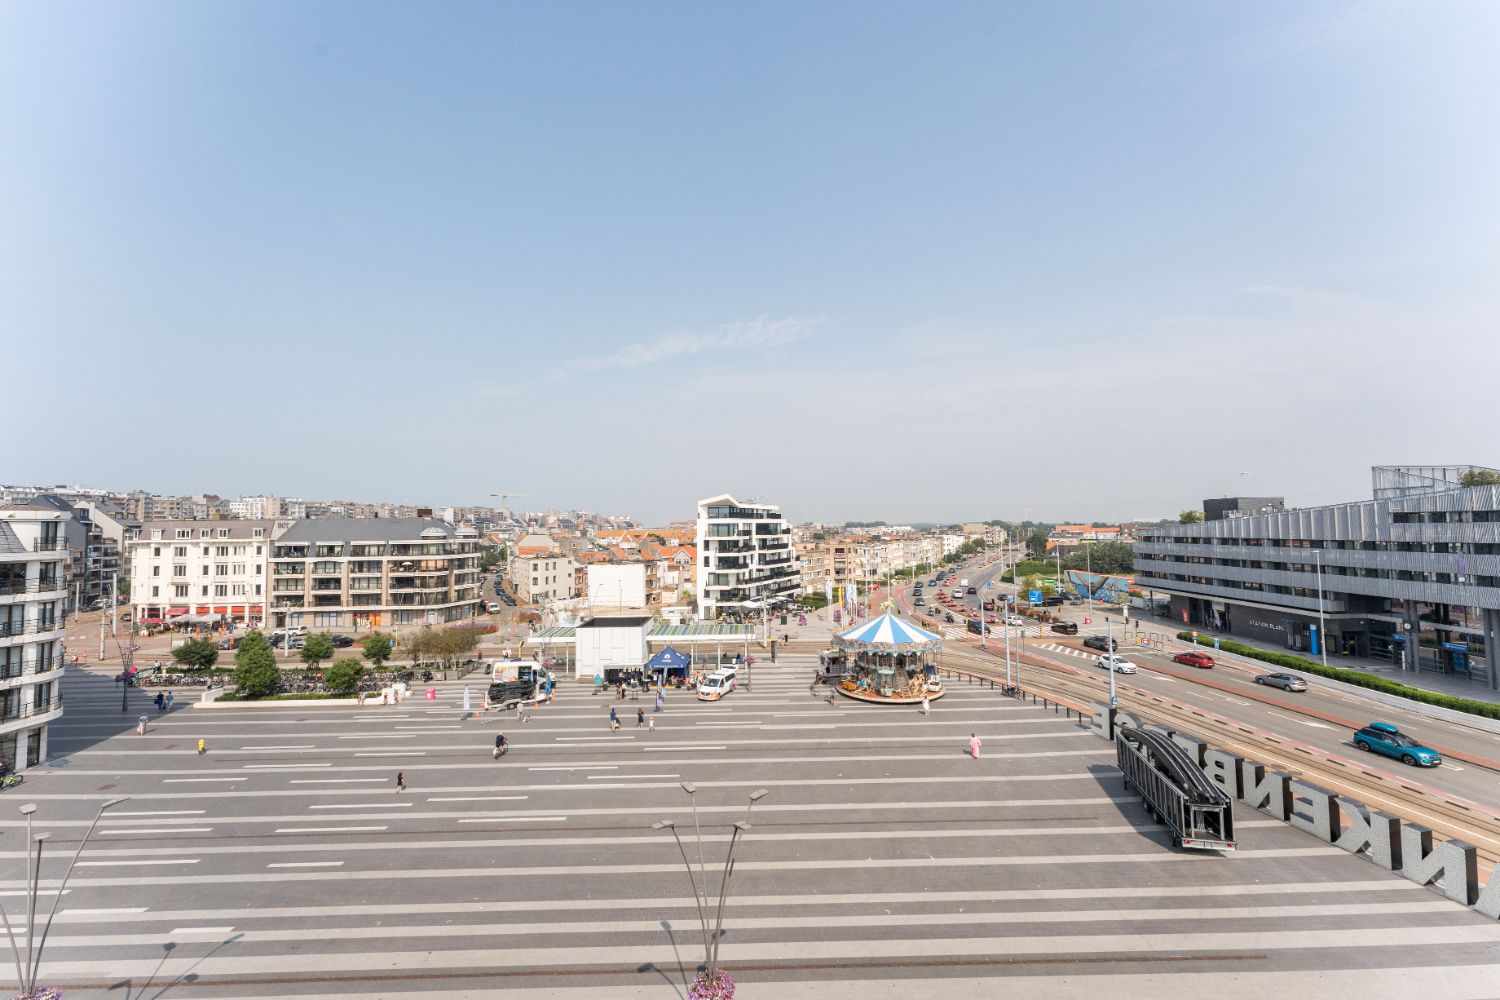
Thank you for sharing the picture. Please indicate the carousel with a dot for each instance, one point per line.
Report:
(888, 661)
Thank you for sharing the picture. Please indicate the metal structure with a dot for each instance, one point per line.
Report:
(1177, 792)
(710, 937)
(27, 969)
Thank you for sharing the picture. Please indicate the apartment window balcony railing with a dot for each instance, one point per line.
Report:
(30, 710)
(11, 588)
(49, 545)
(32, 626)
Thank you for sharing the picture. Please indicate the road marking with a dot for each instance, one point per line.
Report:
(163, 861)
(431, 725)
(153, 829)
(203, 930)
(158, 812)
(678, 746)
(582, 739)
(329, 781)
(288, 746)
(1305, 722)
(365, 805)
(612, 777)
(517, 819)
(328, 829)
(304, 864)
(578, 767)
(104, 910)
(272, 767)
(381, 736)
(186, 781)
(481, 798)
(393, 753)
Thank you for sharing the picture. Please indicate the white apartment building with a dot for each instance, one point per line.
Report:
(542, 578)
(208, 570)
(745, 554)
(617, 586)
(33, 592)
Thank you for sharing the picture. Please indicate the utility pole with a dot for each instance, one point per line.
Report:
(1322, 628)
(1109, 628)
(114, 604)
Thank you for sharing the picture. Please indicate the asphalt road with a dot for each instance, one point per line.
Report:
(884, 861)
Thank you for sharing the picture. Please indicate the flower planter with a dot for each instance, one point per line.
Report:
(719, 987)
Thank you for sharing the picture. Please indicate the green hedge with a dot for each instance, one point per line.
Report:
(1372, 681)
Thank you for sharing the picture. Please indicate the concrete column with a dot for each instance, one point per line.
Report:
(1491, 651)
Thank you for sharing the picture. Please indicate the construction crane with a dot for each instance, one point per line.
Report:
(506, 496)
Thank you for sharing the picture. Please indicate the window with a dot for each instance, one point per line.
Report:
(221, 590)
(156, 552)
(205, 570)
(257, 550)
(180, 552)
(179, 571)
(221, 569)
(156, 571)
(257, 569)
(184, 533)
(179, 590)
(327, 619)
(223, 532)
(204, 590)
(155, 591)
(222, 551)
(156, 534)
(202, 532)
(238, 569)
(257, 533)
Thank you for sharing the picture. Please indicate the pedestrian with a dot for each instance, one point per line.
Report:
(361, 698)
(202, 745)
(926, 705)
(974, 745)
(640, 718)
(400, 781)
(651, 724)
(170, 699)
(661, 701)
(140, 726)
(161, 702)
(466, 699)
(614, 720)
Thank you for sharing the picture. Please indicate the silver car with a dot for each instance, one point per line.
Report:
(1287, 682)
(1118, 664)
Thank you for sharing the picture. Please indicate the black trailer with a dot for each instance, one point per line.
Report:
(509, 694)
(1176, 790)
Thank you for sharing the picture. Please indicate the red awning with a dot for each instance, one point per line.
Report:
(174, 612)
(151, 621)
(221, 610)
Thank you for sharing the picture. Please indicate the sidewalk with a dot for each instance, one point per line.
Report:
(1456, 685)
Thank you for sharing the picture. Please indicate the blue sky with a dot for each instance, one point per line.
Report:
(865, 260)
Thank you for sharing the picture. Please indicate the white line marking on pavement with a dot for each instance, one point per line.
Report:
(517, 819)
(287, 746)
(678, 746)
(482, 798)
(305, 864)
(164, 829)
(158, 812)
(328, 829)
(163, 861)
(581, 739)
(186, 781)
(612, 777)
(271, 767)
(393, 753)
(1235, 700)
(201, 930)
(104, 910)
(1304, 722)
(430, 725)
(329, 781)
(382, 736)
(366, 805)
(580, 767)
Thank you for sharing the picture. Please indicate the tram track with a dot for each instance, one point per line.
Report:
(1449, 819)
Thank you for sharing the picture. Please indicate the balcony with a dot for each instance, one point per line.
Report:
(49, 545)
(30, 710)
(32, 627)
(12, 588)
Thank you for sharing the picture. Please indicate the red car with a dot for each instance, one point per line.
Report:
(1201, 660)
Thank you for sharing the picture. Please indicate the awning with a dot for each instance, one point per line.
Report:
(174, 612)
(668, 659)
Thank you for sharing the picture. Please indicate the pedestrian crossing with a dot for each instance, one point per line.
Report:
(285, 862)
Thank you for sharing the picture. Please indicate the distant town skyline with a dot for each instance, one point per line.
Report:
(905, 265)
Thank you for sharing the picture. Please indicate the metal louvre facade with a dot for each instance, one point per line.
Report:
(1417, 564)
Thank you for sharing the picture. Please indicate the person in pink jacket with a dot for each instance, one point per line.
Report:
(974, 745)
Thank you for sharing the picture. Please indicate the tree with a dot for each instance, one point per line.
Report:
(490, 559)
(1190, 517)
(1036, 542)
(1033, 582)
(255, 672)
(1480, 477)
(1103, 557)
(376, 648)
(317, 648)
(1048, 591)
(197, 654)
(343, 676)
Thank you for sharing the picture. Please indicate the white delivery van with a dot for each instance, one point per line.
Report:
(717, 684)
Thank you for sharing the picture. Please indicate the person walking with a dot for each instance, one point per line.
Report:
(400, 781)
(926, 705)
(651, 724)
(661, 701)
(614, 720)
(640, 718)
(202, 745)
(974, 745)
(140, 726)
(466, 699)
(161, 702)
(170, 699)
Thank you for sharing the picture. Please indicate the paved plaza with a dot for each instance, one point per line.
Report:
(884, 862)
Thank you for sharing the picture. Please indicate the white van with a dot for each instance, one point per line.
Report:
(964, 582)
(717, 684)
(958, 593)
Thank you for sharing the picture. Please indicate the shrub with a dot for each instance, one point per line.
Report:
(255, 673)
(317, 648)
(197, 653)
(1372, 682)
(344, 676)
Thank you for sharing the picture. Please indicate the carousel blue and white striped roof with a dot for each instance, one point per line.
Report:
(889, 634)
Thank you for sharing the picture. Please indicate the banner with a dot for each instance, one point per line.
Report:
(828, 592)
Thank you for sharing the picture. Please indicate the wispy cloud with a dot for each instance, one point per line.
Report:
(755, 334)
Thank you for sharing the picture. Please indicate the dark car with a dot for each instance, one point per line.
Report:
(1066, 628)
(976, 626)
(1382, 737)
(972, 590)
(1101, 642)
(1200, 660)
(341, 641)
(1287, 682)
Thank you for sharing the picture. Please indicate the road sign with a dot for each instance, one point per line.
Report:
(1216, 644)
(1034, 596)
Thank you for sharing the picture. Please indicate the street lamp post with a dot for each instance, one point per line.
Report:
(1109, 631)
(710, 936)
(26, 972)
(1322, 628)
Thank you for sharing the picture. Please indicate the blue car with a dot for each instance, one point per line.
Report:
(1382, 737)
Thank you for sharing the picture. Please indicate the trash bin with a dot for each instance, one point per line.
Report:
(783, 619)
